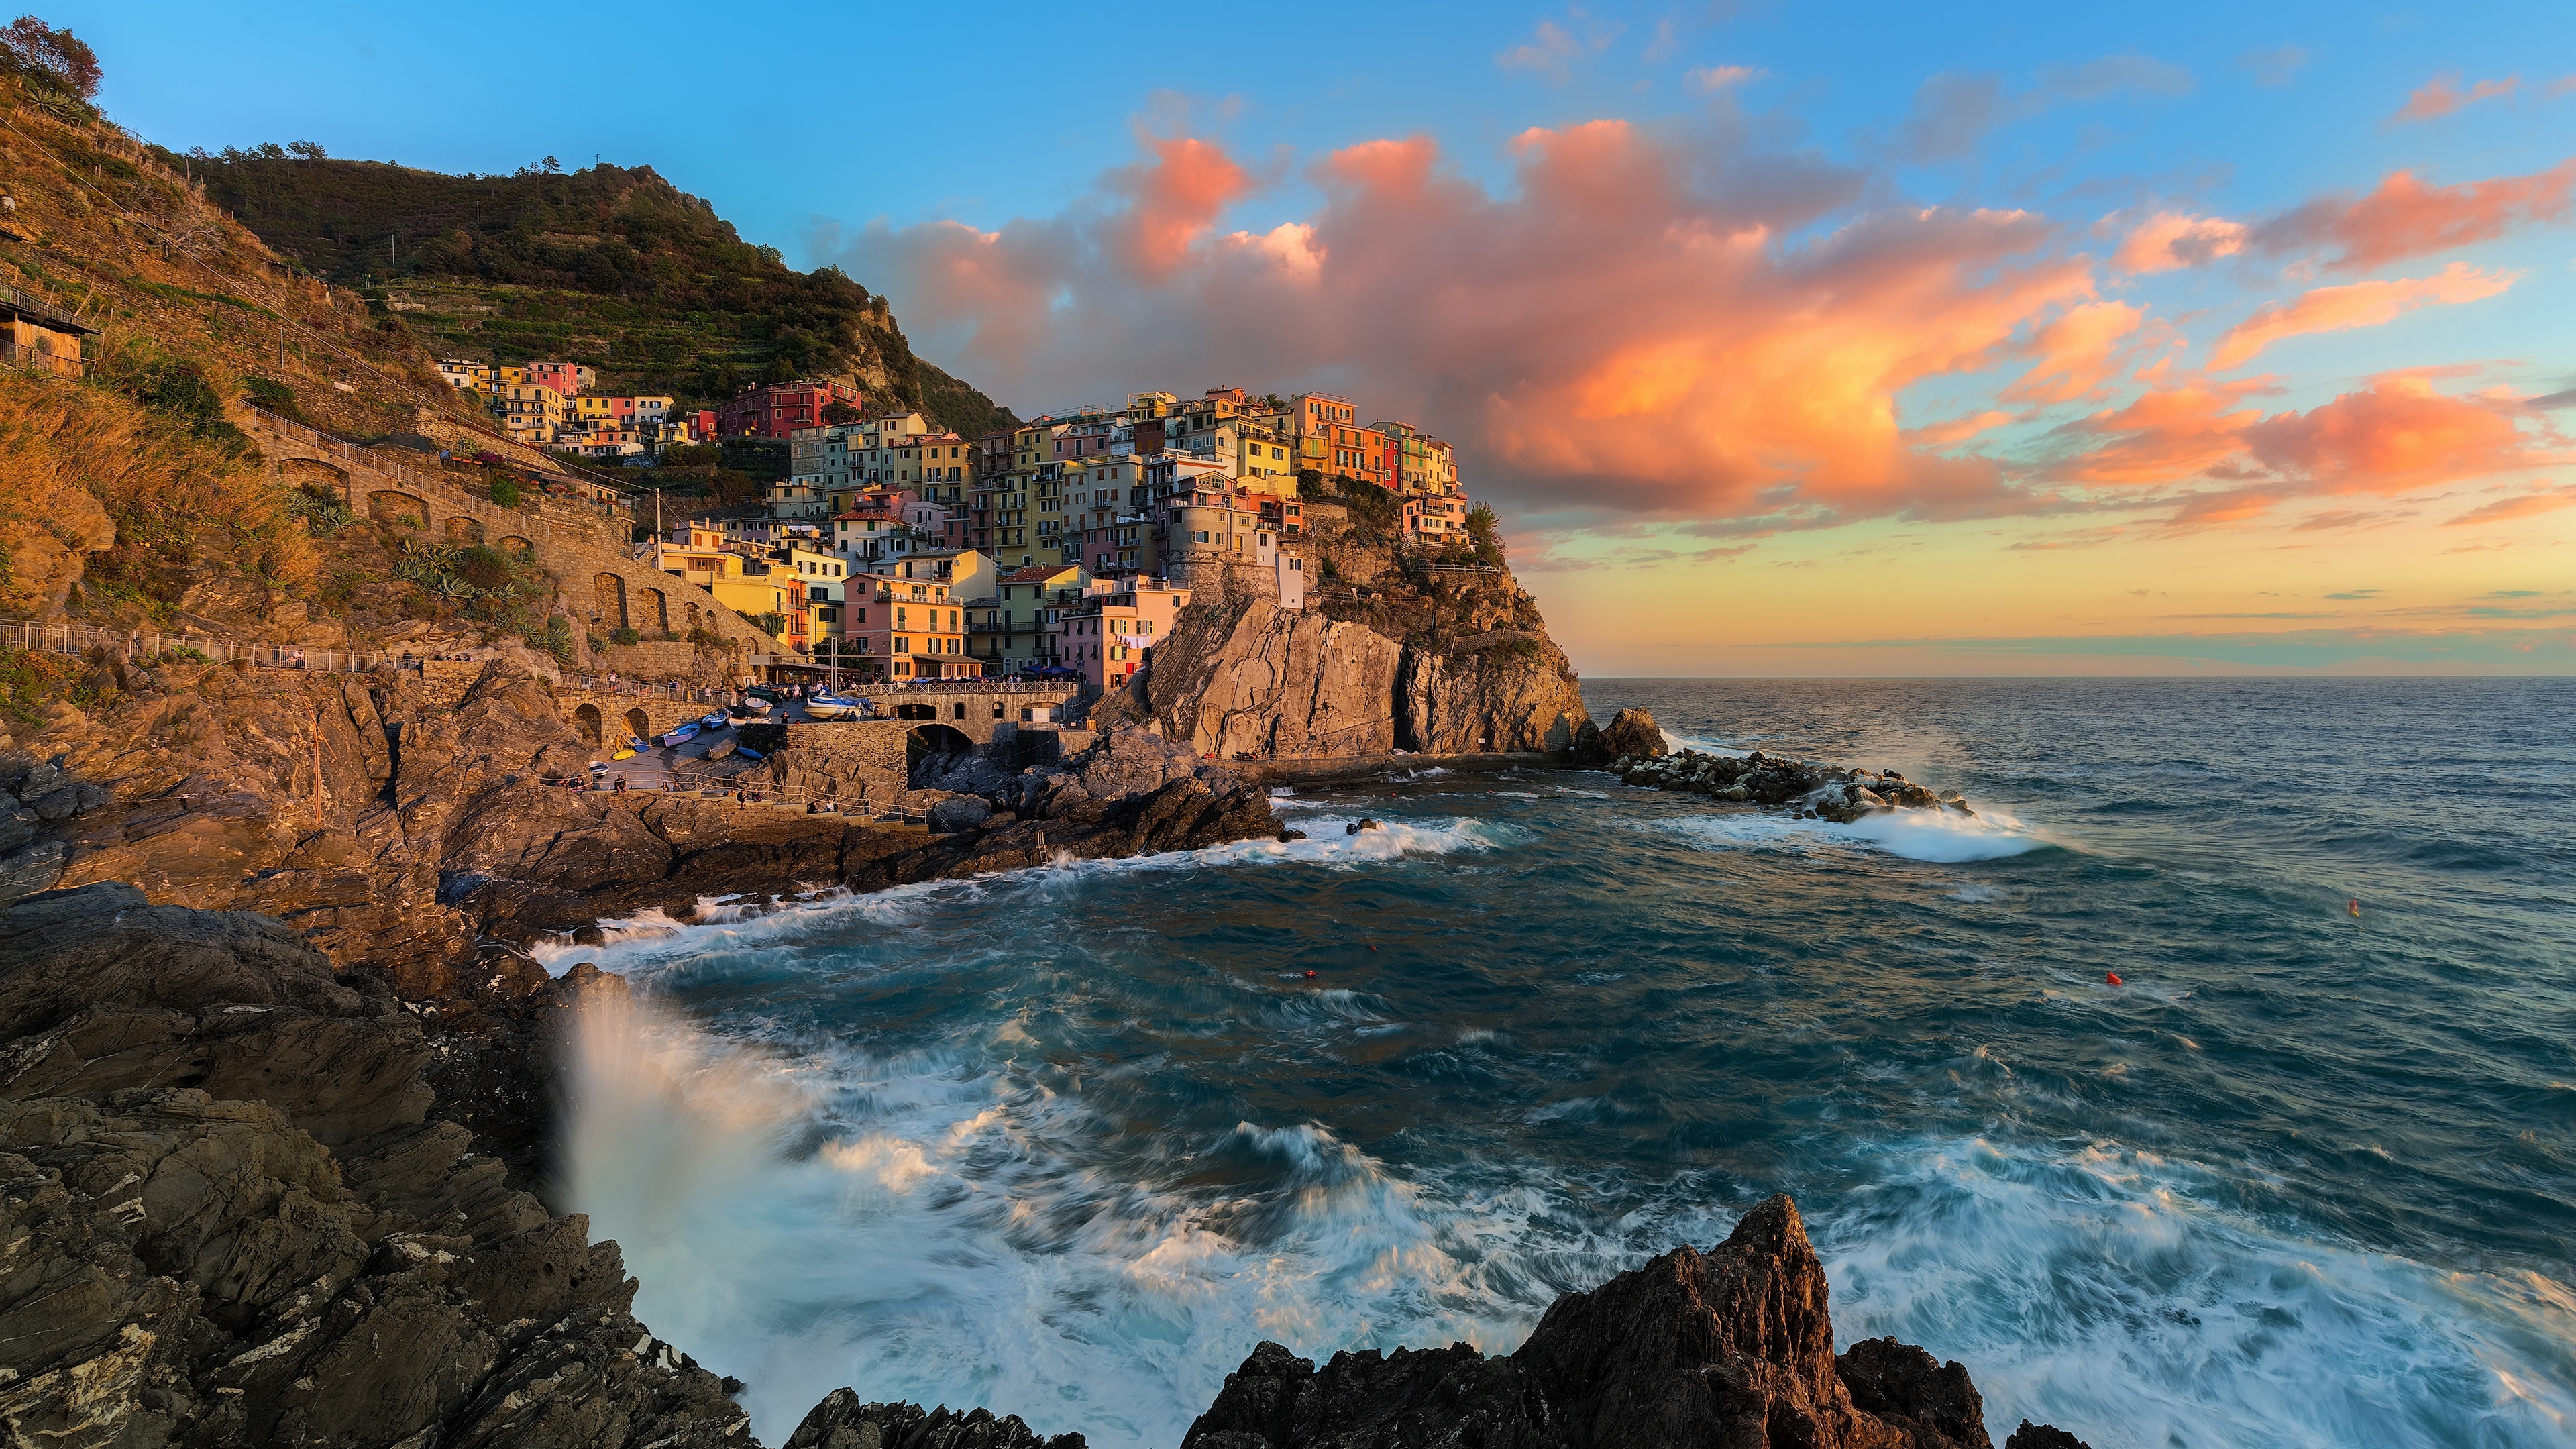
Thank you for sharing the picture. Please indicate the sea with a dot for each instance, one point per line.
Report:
(1069, 1142)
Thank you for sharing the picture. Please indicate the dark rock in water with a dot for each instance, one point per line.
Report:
(1286, 835)
(233, 1223)
(1692, 1351)
(1363, 823)
(1909, 1388)
(1632, 732)
(842, 1422)
(2042, 1436)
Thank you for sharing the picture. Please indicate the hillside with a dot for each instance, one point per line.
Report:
(609, 266)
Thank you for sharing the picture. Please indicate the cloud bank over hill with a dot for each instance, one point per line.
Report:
(1684, 322)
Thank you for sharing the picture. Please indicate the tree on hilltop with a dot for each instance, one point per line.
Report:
(54, 57)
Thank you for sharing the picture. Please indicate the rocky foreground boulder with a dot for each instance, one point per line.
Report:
(1733, 1347)
(228, 1218)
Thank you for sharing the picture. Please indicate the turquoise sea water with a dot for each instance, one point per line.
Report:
(1068, 1143)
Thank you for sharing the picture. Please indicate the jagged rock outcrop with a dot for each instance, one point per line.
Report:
(842, 1422)
(1632, 733)
(226, 1218)
(1729, 1348)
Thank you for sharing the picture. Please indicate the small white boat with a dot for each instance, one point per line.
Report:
(682, 735)
(834, 707)
(716, 721)
(754, 706)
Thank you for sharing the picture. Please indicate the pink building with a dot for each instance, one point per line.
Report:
(1107, 634)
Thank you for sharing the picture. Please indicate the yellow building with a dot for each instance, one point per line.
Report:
(530, 412)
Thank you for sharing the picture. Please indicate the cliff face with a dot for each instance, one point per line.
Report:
(1387, 655)
(1247, 678)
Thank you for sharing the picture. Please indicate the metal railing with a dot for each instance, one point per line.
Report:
(26, 301)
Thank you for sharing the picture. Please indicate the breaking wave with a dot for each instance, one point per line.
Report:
(1941, 837)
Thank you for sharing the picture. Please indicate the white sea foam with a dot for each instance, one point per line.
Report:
(652, 936)
(949, 1226)
(2122, 1294)
(953, 1223)
(1678, 743)
(1939, 836)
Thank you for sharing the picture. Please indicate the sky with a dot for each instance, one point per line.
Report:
(1787, 340)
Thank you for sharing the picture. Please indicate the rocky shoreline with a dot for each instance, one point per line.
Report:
(272, 1173)
(234, 1218)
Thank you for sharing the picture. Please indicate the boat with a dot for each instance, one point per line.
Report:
(682, 735)
(834, 707)
(746, 752)
(716, 720)
(755, 706)
(623, 755)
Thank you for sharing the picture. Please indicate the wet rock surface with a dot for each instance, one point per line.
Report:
(1731, 1347)
(1133, 793)
(227, 1216)
(842, 1422)
(1808, 789)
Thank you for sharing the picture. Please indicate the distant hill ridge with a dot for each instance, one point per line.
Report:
(610, 266)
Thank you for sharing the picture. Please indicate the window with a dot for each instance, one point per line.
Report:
(902, 645)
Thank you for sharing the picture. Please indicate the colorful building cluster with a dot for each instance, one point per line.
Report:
(896, 550)
(554, 405)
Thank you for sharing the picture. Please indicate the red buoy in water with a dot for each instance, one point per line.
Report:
(1310, 975)
(2356, 905)
(2114, 978)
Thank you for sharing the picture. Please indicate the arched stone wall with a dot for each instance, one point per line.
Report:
(313, 472)
(608, 600)
(921, 742)
(464, 532)
(653, 611)
(585, 721)
(638, 724)
(401, 509)
(516, 546)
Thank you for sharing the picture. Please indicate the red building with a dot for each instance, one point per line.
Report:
(564, 377)
(774, 412)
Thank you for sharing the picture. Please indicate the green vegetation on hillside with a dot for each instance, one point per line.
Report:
(609, 266)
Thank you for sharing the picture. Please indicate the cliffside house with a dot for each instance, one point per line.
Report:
(42, 339)
(1106, 633)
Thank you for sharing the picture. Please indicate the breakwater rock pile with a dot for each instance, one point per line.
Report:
(1809, 789)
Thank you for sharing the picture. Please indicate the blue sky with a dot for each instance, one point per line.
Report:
(993, 168)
